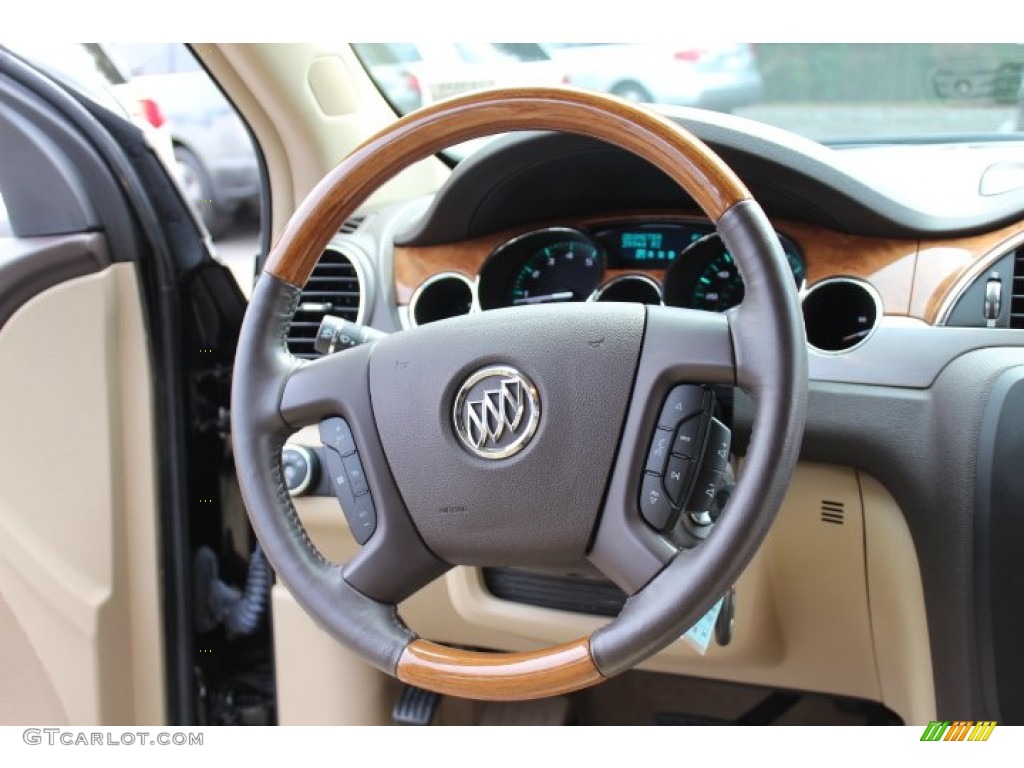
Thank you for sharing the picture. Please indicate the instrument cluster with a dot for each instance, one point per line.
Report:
(672, 262)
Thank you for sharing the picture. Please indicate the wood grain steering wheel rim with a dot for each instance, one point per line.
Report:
(695, 168)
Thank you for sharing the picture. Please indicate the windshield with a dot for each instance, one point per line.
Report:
(833, 93)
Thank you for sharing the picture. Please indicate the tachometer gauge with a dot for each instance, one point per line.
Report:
(550, 265)
(705, 275)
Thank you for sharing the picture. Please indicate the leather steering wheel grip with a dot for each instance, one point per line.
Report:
(770, 363)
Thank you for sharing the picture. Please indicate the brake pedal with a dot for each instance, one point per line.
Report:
(415, 706)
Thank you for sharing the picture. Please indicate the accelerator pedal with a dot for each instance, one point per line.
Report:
(415, 706)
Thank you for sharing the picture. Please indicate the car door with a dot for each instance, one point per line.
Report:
(96, 248)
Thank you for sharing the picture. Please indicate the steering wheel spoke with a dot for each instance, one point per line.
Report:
(671, 444)
(333, 385)
(334, 391)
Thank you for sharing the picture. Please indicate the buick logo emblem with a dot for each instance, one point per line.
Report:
(496, 412)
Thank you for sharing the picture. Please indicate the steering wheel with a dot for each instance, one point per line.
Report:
(524, 436)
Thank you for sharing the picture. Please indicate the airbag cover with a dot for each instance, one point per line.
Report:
(539, 505)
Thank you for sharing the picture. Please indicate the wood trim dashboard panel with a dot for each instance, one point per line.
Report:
(913, 277)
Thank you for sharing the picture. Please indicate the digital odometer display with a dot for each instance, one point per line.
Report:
(649, 246)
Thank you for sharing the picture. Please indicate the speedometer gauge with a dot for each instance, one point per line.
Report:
(546, 266)
(705, 275)
(567, 270)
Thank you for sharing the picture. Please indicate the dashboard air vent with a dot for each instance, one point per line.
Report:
(352, 224)
(333, 289)
(1017, 300)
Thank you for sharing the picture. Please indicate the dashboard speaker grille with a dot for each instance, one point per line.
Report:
(1017, 299)
(833, 512)
(334, 288)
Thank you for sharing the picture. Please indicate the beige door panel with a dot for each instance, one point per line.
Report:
(78, 523)
(27, 694)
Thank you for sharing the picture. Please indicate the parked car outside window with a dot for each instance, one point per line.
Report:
(720, 77)
(217, 163)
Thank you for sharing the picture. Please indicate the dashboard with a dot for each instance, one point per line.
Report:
(877, 581)
(672, 260)
(676, 259)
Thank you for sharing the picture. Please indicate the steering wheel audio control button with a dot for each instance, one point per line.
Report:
(661, 445)
(335, 432)
(654, 502)
(682, 402)
(711, 476)
(719, 442)
(704, 491)
(689, 437)
(674, 452)
(678, 474)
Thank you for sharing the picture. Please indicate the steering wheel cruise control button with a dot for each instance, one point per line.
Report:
(683, 401)
(654, 502)
(335, 432)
